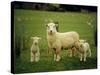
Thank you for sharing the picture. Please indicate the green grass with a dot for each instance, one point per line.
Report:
(32, 23)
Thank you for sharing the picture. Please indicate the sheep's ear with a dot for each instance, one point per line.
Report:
(57, 25)
(46, 25)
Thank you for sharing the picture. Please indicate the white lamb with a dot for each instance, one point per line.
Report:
(85, 50)
(57, 40)
(35, 51)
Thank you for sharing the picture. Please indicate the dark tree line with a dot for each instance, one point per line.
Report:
(53, 7)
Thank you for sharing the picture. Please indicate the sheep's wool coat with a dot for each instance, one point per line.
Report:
(65, 40)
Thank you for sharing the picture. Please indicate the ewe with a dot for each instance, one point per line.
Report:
(57, 40)
(35, 53)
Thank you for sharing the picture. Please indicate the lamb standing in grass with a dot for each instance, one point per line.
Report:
(57, 40)
(85, 50)
(35, 53)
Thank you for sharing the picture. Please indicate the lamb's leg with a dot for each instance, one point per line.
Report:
(89, 52)
(32, 57)
(37, 57)
(81, 56)
(85, 56)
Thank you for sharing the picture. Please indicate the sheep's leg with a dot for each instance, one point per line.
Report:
(84, 56)
(55, 56)
(37, 56)
(58, 55)
(81, 56)
(73, 51)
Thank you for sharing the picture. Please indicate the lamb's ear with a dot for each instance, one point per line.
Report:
(32, 38)
(39, 38)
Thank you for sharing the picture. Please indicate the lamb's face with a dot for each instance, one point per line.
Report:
(35, 40)
(81, 45)
(82, 42)
(51, 28)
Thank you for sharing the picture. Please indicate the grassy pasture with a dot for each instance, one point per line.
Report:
(32, 23)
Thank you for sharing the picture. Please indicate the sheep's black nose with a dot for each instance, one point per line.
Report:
(35, 43)
(50, 31)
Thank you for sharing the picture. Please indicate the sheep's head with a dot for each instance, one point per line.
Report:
(52, 27)
(35, 40)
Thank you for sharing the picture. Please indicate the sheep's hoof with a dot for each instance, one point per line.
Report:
(84, 60)
(31, 61)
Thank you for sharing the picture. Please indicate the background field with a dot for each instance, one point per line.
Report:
(32, 23)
